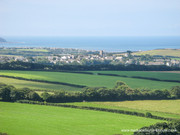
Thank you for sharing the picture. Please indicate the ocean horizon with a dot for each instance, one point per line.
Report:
(109, 44)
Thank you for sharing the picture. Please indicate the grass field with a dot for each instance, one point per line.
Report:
(33, 50)
(157, 75)
(165, 108)
(36, 85)
(89, 80)
(168, 106)
(175, 58)
(25, 119)
(163, 52)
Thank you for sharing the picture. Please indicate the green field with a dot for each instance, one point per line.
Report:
(168, 106)
(150, 74)
(163, 52)
(33, 50)
(175, 58)
(90, 80)
(25, 119)
(36, 85)
(164, 108)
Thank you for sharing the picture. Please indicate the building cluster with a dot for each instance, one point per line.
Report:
(78, 58)
(4, 59)
(125, 59)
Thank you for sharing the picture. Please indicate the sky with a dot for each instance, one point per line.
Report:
(89, 18)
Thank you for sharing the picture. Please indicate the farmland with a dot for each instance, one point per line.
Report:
(33, 50)
(163, 52)
(95, 80)
(165, 108)
(149, 74)
(20, 119)
(36, 85)
(168, 106)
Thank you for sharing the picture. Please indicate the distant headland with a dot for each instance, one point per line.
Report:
(2, 40)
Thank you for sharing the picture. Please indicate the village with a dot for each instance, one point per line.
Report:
(92, 58)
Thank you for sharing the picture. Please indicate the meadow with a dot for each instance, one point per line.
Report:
(26, 119)
(163, 108)
(162, 52)
(149, 74)
(33, 50)
(36, 85)
(91, 80)
(168, 106)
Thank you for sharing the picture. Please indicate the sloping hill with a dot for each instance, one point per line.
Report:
(26, 119)
(163, 52)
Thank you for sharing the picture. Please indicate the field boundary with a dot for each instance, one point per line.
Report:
(136, 77)
(147, 115)
(44, 81)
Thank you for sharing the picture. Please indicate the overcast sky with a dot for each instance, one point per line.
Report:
(89, 18)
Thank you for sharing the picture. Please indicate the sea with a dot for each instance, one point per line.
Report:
(108, 44)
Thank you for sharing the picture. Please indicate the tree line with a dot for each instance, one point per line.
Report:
(120, 92)
(19, 65)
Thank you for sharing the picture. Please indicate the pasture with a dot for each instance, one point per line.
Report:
(90, 80)
(158, 75)
(163, 52)
(164, 108)
(33, 50)
(26, 119)
(36, 85)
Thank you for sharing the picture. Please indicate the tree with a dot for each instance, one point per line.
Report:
(129, 52)
(5, 93)
(119, 83)
(34, 96)
(149, 115)
(172, 128)
(175, 92)
(17, 95)
(158, 94)
(45, 96)
(91, 94)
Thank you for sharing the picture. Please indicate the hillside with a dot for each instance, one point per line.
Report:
(97, 80)
(2, 40)
(162, 52)
(25, 119)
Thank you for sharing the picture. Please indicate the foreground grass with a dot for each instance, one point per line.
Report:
(89, 80)
(36, 85)
(25, 119)
(164, 108)
(163, 52)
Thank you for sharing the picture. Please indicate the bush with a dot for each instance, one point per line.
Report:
(175, 91)
(172, 128)
(3, 133)
(149, 115)
(34, 96)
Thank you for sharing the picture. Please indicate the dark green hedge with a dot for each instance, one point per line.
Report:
(96, 109)
(171, 128)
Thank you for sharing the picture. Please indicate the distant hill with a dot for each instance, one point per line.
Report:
(2, 40)
(162, 52)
